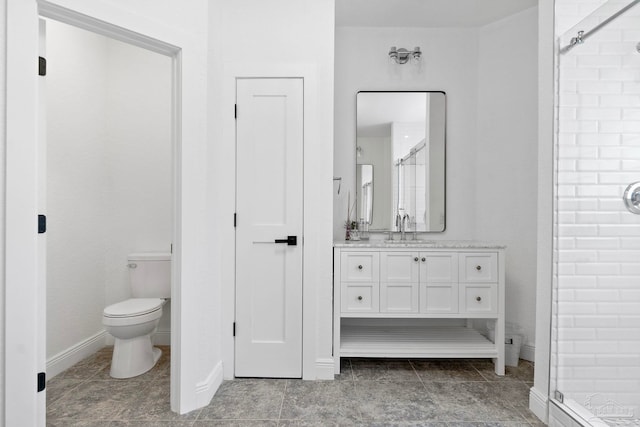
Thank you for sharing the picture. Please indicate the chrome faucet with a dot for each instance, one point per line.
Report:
(403, 226)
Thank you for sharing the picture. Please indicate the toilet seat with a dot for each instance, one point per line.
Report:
(134, 307)
(134, 311)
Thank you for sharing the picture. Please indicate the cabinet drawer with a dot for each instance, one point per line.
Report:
(479, 267)
(439, 298)
(360, 298)
(479, 298)
(359, 267)
(438, 267)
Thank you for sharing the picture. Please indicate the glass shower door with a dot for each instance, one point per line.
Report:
(596, 307)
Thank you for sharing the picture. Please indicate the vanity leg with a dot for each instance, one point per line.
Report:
(499, 361)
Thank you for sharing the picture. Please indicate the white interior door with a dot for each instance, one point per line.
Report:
(269, 228)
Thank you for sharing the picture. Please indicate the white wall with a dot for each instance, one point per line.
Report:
(278, 38)
(505, 204)
(76, 184)
(490, 78)
(3, 97)
(109, 175)
(449, 64)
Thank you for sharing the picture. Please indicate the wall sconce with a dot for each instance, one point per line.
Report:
(402, 55)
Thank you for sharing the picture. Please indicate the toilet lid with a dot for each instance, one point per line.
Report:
(133, 307)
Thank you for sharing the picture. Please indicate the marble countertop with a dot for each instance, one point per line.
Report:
(436, 244)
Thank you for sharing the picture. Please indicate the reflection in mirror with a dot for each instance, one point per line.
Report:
(364, 183)
(401, 137)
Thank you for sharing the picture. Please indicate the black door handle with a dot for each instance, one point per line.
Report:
(290, 240)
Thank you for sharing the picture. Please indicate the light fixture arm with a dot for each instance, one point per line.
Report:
(402, 55)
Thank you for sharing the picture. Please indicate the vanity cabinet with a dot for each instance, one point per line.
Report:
(382, 291)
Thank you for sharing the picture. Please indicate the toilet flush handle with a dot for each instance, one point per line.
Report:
(132, 265)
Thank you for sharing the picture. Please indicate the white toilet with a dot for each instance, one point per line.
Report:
(133, 321)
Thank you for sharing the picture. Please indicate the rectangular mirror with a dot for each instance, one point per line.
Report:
(400, 141)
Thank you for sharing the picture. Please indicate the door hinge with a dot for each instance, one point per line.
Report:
(235, 111)
(42, 224)
(559, 396)
(42, 381)
(235, 219)
(42, 66)
(234, 329)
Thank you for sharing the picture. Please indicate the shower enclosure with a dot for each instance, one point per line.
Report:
(409, 187)
(595, 365)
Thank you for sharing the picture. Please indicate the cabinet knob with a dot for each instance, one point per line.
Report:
(359, 297)
(416, 259)
(423, 259)
(478, 267)
(478, 299)
(360, 267)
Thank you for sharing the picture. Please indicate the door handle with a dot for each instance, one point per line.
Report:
(290, 240)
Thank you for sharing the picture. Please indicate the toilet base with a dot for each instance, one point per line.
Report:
(133, 357)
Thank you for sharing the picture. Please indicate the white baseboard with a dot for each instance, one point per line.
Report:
(325, 369)
(69, 357)
(528, 352)
(207, 388)
(539, 404)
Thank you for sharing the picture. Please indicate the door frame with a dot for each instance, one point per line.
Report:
(24, 353)
(317, 360)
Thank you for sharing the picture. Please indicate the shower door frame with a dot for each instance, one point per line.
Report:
(539, 393)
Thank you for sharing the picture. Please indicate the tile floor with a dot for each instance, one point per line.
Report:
(368, 392)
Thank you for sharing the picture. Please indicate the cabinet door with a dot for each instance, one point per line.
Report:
(479, 267)
(359, 298)
(438, 282)
(359, 267)
(399, 267)
(399, 276)
(439, 298)
(438, 267)
(399, 297)
(479, 298)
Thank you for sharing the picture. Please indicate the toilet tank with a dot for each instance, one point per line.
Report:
(150, 274)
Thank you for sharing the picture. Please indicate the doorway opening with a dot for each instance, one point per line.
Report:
(110, 173)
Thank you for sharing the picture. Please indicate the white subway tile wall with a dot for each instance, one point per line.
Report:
(596, 337)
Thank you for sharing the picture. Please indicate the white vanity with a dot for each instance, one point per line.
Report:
(418, 300)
